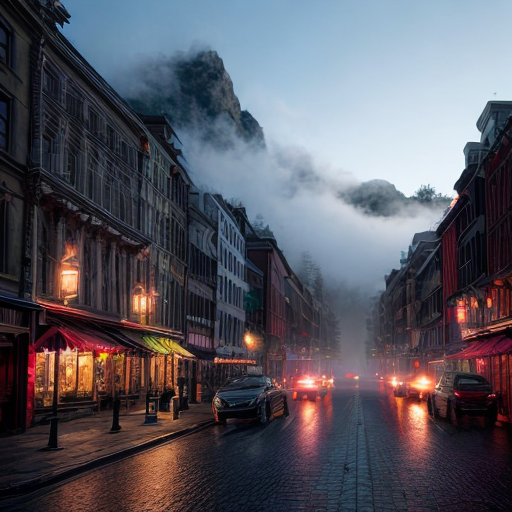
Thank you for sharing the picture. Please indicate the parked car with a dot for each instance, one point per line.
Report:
(249, 397)
(459, 393)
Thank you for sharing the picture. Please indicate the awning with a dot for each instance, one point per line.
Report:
(201, 353)
(63, 337)
(124, 338)
(156, 344)
(489, 347)
(166, 346)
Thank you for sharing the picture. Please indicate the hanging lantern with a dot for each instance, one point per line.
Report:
(69, 273)
(461, 311)
(141, 302)
(69, 283)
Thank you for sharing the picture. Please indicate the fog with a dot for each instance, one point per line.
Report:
(295, 193)
(288, 187)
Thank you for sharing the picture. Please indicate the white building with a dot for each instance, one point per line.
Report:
(231, 284)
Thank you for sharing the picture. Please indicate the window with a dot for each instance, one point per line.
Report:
(5, 108)
(5, 43)
(51, 84)
(4, 238)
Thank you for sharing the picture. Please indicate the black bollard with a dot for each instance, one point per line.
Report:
(53, 442)
(116, 407)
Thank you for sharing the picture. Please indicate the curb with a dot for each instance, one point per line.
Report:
(59, 476)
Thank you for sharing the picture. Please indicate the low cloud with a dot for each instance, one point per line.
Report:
(301, 204)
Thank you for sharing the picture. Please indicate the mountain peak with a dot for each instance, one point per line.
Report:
(196, 92)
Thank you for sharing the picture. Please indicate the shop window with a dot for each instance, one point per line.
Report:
(5, 114)
(45, 362)
(75, 375)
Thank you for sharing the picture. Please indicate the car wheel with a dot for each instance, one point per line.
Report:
(453, 415)
(264, 415)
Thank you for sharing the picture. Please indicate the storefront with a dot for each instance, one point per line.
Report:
(78, 369)
(169, 365)
(17, 325)
(491, 358)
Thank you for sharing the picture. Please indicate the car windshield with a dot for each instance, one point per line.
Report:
(245, 382)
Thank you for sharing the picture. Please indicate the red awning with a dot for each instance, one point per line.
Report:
(489, 347)
(61, 338)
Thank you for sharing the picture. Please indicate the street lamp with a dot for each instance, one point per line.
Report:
(69, 273)
(250, 342)
(141, 302)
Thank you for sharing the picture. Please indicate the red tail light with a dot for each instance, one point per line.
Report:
(492, 396)
(457, 394)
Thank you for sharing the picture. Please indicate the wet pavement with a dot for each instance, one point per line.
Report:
(26, 462)
(360, 449)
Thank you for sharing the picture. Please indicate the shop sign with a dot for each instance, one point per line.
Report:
(219, 360)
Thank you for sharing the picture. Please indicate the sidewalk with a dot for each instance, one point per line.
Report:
(85, 443)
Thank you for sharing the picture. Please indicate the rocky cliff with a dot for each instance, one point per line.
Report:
(196, 93)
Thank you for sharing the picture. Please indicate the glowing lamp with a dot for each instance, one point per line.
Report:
(461, 312)
(141, 303)
(489, 302)
(249, 341)
(69, 283)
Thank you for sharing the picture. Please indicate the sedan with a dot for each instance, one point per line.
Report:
(460, 394)
(249, 397)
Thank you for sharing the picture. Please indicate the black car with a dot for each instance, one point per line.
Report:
(249, 397)
(460, 394)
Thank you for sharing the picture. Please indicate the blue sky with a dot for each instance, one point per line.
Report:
(369, 89)
(388, 90)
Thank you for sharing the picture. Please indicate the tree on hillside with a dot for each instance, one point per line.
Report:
(427, 194)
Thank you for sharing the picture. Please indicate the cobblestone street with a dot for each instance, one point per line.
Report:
(360, 449)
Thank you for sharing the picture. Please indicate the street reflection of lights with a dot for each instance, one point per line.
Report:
(417, 412)
(308, 437)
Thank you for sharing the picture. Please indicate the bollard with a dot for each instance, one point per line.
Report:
(116, 407)
(53, 442)
(175, 408)
(151, 409)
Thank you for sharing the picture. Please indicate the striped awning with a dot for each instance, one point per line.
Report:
(62, 337)
(164, 345)
(495, 346)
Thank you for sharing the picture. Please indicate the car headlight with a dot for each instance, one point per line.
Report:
(217, 402)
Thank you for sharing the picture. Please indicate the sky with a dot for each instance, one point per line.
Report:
(362, 89)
